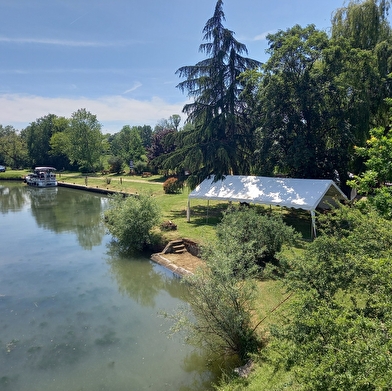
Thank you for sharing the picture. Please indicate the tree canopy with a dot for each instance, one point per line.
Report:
(303, 113)
(218, 142)
(85, 140)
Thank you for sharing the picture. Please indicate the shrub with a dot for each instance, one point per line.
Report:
(222, 296)
(172, 186)
(222, 311)
(115, 163)
(140, 166)
(131, 219)
(252, 238)
(220, 316)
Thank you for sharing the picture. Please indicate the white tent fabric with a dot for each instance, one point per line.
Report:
(307, 194)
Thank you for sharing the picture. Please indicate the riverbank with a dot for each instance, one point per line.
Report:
(179, 264)
(96, 189)
(173, 206)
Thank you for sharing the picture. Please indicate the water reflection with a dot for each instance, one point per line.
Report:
(47, 206)
(134, 279)
(59, 210)
(80, 316)
(12, 198)
(139, 281)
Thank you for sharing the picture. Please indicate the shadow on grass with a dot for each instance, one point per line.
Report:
(212, 215)
(300, 220)
(203, 214)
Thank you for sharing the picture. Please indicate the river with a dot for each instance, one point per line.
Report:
(75, 314)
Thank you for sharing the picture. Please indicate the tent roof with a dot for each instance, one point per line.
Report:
(307, 194)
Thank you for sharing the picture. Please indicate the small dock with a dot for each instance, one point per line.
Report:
(96, 189)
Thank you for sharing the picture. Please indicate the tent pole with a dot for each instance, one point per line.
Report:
(313, 233)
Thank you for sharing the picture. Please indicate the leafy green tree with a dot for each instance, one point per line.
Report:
(137, 151)
(130, 220)
(145, 132)
(128, 144)
(378, 161)
(374, 181)
(171, 123)
(13, 151)
(219, 142)
(318, 96)
(302, 130)
(85, 140)
(59, 144)
(338, 325)
(38, 139)
(363, 23)
(363, 31)
(175, 119)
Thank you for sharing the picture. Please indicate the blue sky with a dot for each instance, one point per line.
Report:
(118, 58)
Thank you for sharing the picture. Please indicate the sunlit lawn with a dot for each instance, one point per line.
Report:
(204, 215)
(173, 206)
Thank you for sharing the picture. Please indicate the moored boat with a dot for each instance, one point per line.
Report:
(42, 177)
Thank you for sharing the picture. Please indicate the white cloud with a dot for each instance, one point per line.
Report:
(263, 36)
(112, 111)
(62, 42)
(136, 85)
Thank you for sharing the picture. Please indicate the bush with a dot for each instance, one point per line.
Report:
(172, 186)
(222, 311)
(222, 296)
(252, 238)
(140, 166)
(116, 164)
(131, 219)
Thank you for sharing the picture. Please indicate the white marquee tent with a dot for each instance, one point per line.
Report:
(307, 194)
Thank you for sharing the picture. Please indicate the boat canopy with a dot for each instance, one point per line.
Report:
(45, 169)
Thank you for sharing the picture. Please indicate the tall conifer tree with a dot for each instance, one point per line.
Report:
(218, 142)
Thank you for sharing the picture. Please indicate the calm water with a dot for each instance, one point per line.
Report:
(74, 315)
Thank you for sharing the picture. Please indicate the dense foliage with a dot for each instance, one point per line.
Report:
(337, 329)
(221, 305)
(375, 181)
(250, 237)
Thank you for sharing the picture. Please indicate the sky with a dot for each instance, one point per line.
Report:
(118, 58)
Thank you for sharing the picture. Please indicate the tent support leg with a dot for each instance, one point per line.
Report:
(313, 232)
